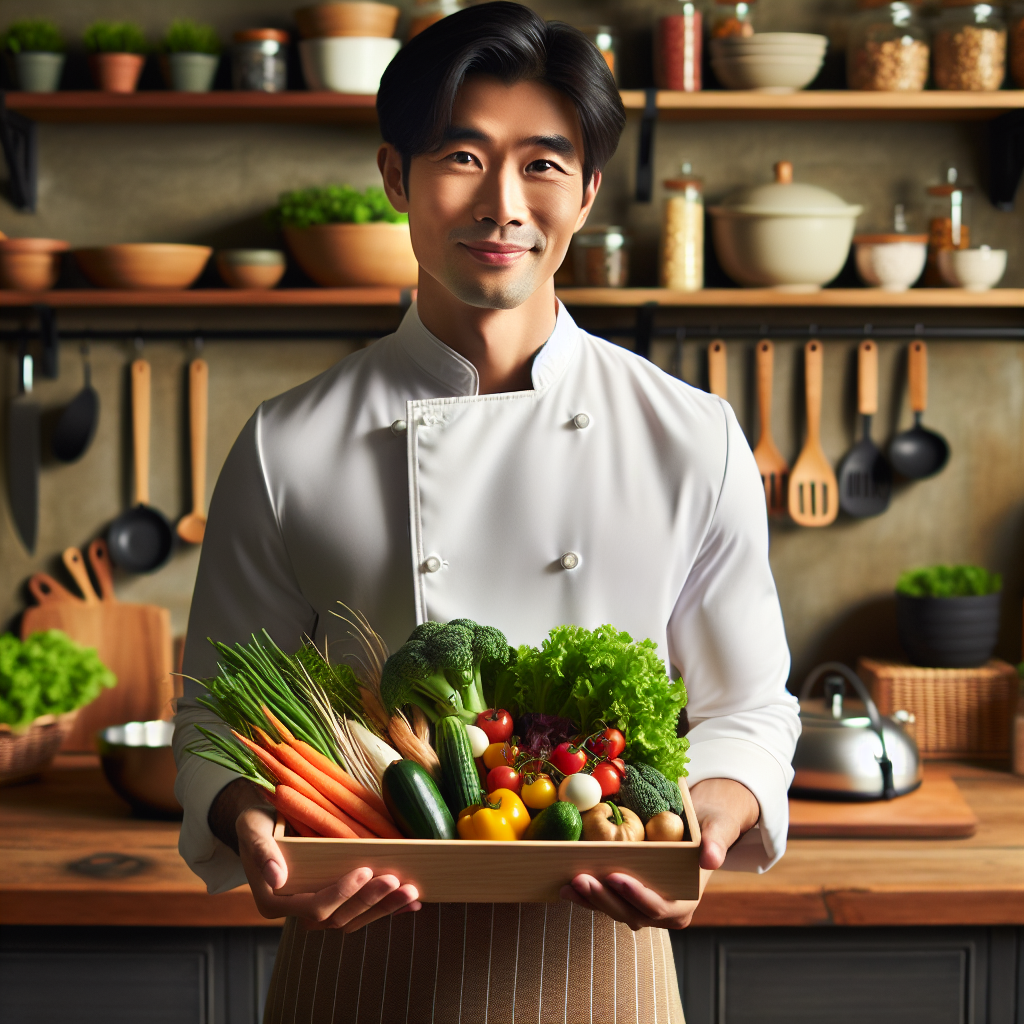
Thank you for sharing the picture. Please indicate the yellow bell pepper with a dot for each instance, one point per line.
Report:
(501, 818)
(513, 808)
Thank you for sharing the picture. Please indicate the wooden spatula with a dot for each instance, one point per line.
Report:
(771, 465)
(718, 378)
(813, 490)
(75, 564)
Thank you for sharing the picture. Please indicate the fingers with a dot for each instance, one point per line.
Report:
(600, 897)
(394, 902)
(725, 810)
(624, 899)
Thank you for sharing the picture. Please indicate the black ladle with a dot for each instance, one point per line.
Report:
(918, 452)
(76, 426)
(141, 539)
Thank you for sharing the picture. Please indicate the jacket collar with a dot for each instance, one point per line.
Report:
(458, 374)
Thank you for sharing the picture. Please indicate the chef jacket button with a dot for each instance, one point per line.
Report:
(431, 563)
(569, 560)
(398, 427)
(582, 421)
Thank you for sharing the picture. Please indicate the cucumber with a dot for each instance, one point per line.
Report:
(415, 802)
(460, 780)
(558, 822)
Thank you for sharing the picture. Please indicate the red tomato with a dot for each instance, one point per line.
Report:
(609, 778)
(568, 758)
(497, 723)
(504, 777)
(609, 743)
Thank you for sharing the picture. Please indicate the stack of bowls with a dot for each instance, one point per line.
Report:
(772, 62)
(346, 46)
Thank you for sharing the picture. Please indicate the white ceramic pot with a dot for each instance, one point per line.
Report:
(976, 270)
(783, 235)
(39, 72)
(771, 74)
(352, 64)
(891, 262)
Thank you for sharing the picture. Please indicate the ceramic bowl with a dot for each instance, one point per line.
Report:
(352, 64)
(139, 765)
(976, 270)
(770, 44)
(890, 262)
(30, 264)
(353, 18)
(770, 74)
(355, 255)
(251, 268)
(143, 266)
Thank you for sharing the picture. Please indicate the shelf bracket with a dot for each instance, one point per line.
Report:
(18, 139)
(644, 161)
(1006, 158)
(644, 329)
(49, 365)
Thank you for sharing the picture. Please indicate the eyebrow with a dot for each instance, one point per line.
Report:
(556, 143)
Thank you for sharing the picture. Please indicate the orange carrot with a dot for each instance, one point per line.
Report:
(328, 767)
(282, 730)
(305, 831)
(294, 806)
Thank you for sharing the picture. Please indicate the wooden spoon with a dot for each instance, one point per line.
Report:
(771, 465)
(46, 590)
(99, 559)
(75, 564)
(191, 527)
(718, 374)
(813, 490)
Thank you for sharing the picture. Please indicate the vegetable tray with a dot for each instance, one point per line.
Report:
(467, 871)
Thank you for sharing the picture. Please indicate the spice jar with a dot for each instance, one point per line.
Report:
(727, 19)
(259, 60)
(887, 48)
(969, 47)
(947, 223)
(678, 39)
(601, 257)
(682, 233)
(606, 39)
(1015, 17)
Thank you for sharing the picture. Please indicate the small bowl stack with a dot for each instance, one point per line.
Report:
(771, 62)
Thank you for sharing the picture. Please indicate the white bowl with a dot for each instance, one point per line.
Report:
(787, 38)
(769, 74)
(892, 265)
(750, 45)
(352, 64)
(976, 270)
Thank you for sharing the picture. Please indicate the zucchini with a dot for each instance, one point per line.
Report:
(460, 781)
(415, 802)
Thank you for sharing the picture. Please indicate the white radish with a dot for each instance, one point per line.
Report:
(479, 741)
(377, 752)
(582, 790)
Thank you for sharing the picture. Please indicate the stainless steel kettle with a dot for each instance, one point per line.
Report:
(851, 752)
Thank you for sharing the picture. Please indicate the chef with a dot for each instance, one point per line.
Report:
(491, 460)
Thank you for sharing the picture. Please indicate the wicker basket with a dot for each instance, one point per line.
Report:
(960, 712)
(25, 754)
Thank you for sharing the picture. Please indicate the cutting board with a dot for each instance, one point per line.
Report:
(935, 810)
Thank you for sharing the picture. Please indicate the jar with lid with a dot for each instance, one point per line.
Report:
(1015, 18)
(601, 257)
(678, 44)
(947, 222)
(606, 39)
(887, 48)
(969, 47)
(259, 60)
(682, 233)
(727, 19)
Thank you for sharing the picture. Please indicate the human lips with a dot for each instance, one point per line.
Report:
(496, 254)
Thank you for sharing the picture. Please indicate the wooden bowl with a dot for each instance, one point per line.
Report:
(30, 264)
(350, 18)
(355, 255)
(143, 266)
(250, 268)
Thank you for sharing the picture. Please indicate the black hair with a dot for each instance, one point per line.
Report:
(418, 90)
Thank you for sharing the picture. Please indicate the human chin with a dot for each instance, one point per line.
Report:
(504, 289)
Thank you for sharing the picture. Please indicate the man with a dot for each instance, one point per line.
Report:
(490, 460)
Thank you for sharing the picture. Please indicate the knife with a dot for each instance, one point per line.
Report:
(23, 453)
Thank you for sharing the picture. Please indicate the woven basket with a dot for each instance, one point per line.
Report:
(27, 753)
(960, 712)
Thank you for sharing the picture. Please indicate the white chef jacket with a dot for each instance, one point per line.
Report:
(390, 484)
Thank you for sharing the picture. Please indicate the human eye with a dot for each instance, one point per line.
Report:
(542, 166)
(463, 159)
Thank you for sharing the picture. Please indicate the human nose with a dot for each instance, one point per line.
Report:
(501, 197)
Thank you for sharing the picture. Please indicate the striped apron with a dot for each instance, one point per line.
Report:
(478, 963)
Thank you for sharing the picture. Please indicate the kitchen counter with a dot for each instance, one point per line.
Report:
(71, 814)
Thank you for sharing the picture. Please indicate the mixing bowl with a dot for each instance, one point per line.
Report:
(892, 262)
(139, 765)
(976, 270)
(143, 265)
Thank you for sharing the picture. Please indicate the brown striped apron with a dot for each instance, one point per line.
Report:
(478, 963)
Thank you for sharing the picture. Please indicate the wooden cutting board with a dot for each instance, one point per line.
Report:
(935, 810)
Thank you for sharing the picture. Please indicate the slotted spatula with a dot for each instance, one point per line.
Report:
(813, 491)
(865, 478)
(770, 464)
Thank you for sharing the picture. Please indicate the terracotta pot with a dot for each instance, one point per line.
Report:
(143, 266)
(116, 72)
(30, 264)
(251, 268)
(355, 255)
(352, 18)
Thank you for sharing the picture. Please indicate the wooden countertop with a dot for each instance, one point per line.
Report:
(71, 813)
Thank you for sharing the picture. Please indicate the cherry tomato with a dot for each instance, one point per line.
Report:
(497, 723)
(494, 755)
(568, 758)
(608, 776)
(609, 743)
(504, 777)
(539, 793)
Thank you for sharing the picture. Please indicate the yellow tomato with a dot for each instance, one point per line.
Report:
(540, 793)
(494, 755)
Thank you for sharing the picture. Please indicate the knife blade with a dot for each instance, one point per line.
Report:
(23, 456)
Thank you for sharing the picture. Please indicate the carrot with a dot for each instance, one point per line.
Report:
(305, 831)
(282, 730)
(300, 810)
(328, 767)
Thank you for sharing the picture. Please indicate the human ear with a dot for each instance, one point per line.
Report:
(589, 195)
(389, 162)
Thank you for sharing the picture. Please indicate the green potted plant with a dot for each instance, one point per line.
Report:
(117, 51)
(191, 55)
(947, 616)
(37, 50)
(343, 238)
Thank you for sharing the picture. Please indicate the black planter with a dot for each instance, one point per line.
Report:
(948, 632)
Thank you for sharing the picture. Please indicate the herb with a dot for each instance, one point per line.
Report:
(335, 204)
(949, 581)
(33, 35)
(114, 37)
(187, 36)
(47, 674)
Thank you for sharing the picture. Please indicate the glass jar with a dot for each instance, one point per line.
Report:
(947, 223)
(887, 48)
(426, 12)
(606, 39)
(601, 257)
(727, 19)
(678, 40)
(682, 233)
(969, 47)
(1015, 17)
(259, 60)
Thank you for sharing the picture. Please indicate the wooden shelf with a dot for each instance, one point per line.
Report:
(100, 298)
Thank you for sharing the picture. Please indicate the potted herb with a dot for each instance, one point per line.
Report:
(37, 49)
(192, 52)
(342, 237)
(117, 51)
(948, 615)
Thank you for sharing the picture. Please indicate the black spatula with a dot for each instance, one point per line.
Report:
(865, 477)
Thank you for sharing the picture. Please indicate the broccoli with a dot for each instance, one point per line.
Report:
(668, 789)
(647, 792)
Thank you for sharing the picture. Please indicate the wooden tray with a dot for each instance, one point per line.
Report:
(468, 871)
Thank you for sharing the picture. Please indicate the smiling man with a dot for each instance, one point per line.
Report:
(491, 460)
